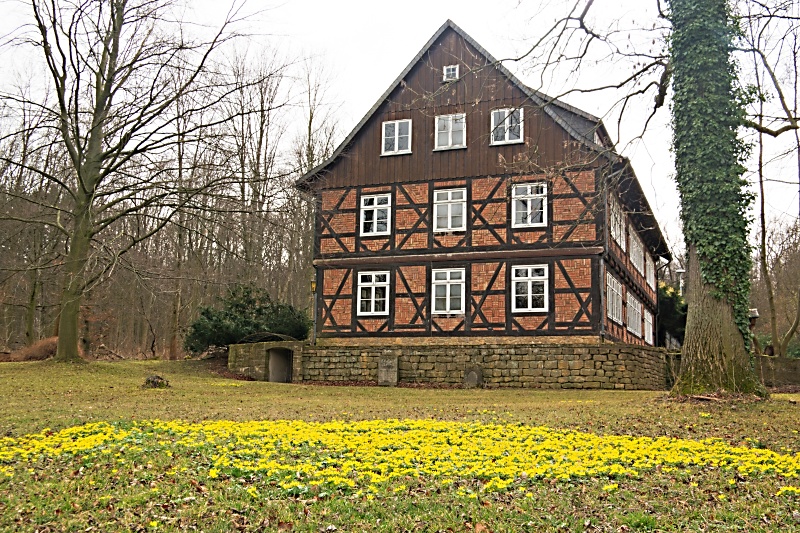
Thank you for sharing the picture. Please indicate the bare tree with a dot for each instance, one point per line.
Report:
(116, 67)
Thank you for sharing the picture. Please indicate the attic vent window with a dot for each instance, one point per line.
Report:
(598, 140)
(450, 73)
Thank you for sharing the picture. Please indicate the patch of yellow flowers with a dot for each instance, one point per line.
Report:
(367, 456)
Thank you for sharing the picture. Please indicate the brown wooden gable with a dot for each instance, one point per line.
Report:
(420, 95)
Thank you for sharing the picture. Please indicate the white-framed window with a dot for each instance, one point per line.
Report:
(529, 205)
(448, 291)
(451, 131)
(528, 288)
(449, 210)
(373, 293)
(634, 315)
(616, 223)
(648, 327)
(396, 137)
(637, 251)
(613, 298)
(450, 73)
(507, 126)
(650, 271)
(376, 214)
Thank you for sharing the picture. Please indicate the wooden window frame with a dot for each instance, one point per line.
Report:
(636, 252)
(375, 208)
(373, 286)
(396, 137)
(448, 203)
(648, 326)
(650, 271)
(504, 125)
(448, 283)
(633, 323)
(542, 195)
(530, 279)
(616, 223)
(613, 298)
(450, 120)
(445, 77)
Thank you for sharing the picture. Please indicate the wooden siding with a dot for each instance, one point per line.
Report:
(422, 96)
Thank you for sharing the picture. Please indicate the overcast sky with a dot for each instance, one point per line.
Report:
(366, 44)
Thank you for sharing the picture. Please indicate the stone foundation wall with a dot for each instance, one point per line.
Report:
(560, 366)
(547, 366)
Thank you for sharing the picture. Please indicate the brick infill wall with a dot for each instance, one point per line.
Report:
(545, 366)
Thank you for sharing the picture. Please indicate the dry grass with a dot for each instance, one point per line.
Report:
(78, 493)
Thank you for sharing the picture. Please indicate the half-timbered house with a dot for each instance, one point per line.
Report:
(468, 205)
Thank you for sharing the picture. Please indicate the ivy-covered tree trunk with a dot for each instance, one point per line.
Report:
(708, 157)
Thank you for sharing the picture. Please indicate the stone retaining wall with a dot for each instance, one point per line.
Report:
(550, 366)
(778, 371)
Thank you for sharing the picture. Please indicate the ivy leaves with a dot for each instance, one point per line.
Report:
(707, 112)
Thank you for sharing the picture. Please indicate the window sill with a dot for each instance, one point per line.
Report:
(389, 154)
(528, 311)
(448, 315)
(449, 231)
(503, 143)
(448, 148)
(372, 315)
(369, 235)
(530, 226)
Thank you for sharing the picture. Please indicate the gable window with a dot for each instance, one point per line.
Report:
(376, 214)
(451, 131)
(507, 126)
(617, 223)
(396, 137)
(637, 251)
(450, 73)
(529, 288)
(529, 205)
(648, 327)
(373, 293)
(634, 316)
(449, 208)
(650, 271)
(448, 291)
(613, 298)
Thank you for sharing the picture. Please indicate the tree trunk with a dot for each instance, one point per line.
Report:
(713, 356)
(72, 293)
(174, 333)
(30, 311)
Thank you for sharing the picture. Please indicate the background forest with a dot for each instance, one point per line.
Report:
(194, 194)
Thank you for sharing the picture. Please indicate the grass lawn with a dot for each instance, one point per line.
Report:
(85, 448)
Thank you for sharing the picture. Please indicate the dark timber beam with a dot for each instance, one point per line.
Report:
(459, 256)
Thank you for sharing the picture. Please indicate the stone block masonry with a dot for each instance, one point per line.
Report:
(501, 364)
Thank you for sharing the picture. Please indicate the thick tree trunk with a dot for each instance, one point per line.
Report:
(72, 293)
(714, 357)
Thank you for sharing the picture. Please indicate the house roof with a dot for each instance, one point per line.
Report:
(579, 124)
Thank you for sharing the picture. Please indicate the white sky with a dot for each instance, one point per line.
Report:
(366, 44)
